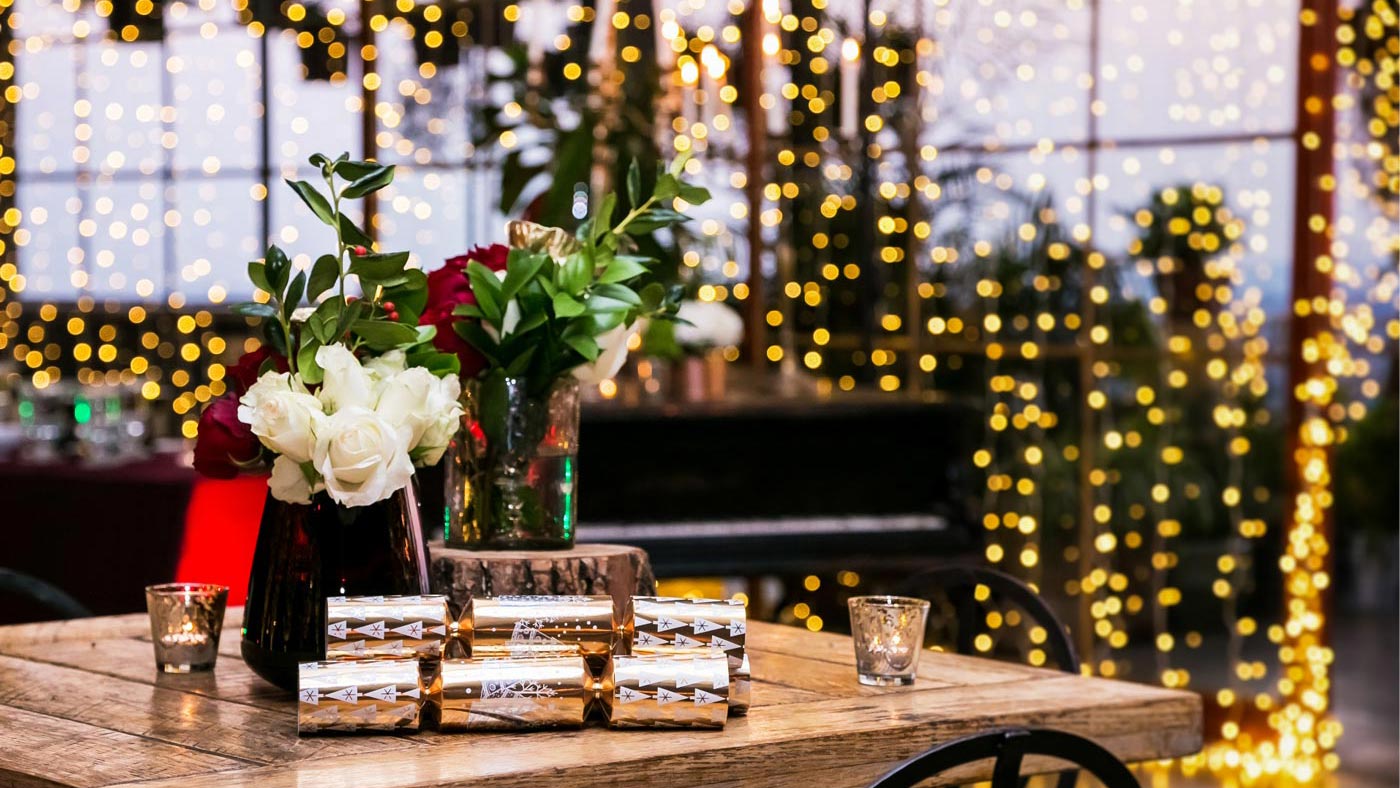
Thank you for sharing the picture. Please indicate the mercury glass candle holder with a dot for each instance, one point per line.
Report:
(186, 619)
(888, 633)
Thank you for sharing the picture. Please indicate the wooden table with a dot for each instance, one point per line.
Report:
(81, 705)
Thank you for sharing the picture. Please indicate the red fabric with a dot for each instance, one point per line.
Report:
(221, 529)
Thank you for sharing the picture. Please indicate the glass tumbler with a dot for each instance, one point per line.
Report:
(888, 633)
(186, 619)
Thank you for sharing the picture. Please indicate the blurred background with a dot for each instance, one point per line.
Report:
(1099, 293)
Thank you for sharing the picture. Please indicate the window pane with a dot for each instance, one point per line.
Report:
(218, 232)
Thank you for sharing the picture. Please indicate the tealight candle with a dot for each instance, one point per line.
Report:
(186, 619)
(888, 633)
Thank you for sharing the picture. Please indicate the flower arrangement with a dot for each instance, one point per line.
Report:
(553, 304)
(348, 393)
(527, 322)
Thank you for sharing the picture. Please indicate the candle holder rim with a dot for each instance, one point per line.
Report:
(888, 600)
(187, 588)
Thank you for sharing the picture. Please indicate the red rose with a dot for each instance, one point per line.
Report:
(224, 442)
(245, 373)
(493, 257)
(449, 287)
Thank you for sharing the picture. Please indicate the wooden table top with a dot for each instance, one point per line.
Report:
(82, 705)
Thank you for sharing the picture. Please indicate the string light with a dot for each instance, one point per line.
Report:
(951, 198)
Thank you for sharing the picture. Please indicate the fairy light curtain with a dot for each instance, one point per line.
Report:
(1079, 213)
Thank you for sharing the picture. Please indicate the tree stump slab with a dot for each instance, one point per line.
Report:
(619, 571)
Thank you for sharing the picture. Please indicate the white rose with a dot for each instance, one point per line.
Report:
(445, 409)
(288, 482)
(346, 384)
(387, 365)
(610, 361)
(426, 408)
(303, 313)
(711, 324)
(361, 456)
(278, 409)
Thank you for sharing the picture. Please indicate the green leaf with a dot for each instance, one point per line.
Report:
(518, 365)
(276, 337)
(622, 268)
(325, 273)
(566, 305)
(370, 182)
(307, 367)
(585, 345)
(477, 337)
(352, 234)
(667, 187)
(314, 200)
(602, 221)
(695, 195)
(655, 219)
(254, 309)
(521, 267)
(468, 310)
(320, 161)
(322, 323)
(528, 324)
(634, 184)
(293, 296)
(383, 335)
(378, 267)
(575, 274)
(278, 269)
(618, 293)
(435, 361)
(487, 289)
(257, 272)
(653, 296)
(350, 315)
(354, 170)
(678, 165)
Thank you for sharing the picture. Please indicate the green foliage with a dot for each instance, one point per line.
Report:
(369, 322)
(545, 316)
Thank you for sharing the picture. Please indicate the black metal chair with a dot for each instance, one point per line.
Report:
(1008, 748)
(960, 584)
(54, 601)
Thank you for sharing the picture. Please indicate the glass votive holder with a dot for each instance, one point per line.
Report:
(888, 633)
(186, 619)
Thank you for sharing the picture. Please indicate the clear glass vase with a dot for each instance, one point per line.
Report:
(512, 471)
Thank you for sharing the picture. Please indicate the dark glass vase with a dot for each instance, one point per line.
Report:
(306, 553)
(512, 471)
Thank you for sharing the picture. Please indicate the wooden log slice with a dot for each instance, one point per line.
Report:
(617, 570)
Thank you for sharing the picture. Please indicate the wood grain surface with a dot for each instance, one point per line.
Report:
(82, 705)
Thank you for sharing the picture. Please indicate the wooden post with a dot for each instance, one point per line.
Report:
(751, 91)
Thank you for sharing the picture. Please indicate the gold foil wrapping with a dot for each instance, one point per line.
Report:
(386, 627)
(514, 694)
(669, 625)
(523, 626)
(740, 689)
(370, 695)
(666, 691)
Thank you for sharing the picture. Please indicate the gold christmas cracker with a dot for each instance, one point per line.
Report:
(513, 694)
(368, 695)
(671, 625)
(518, 626)
(666, 691)
(386, 627)
(740, 689)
